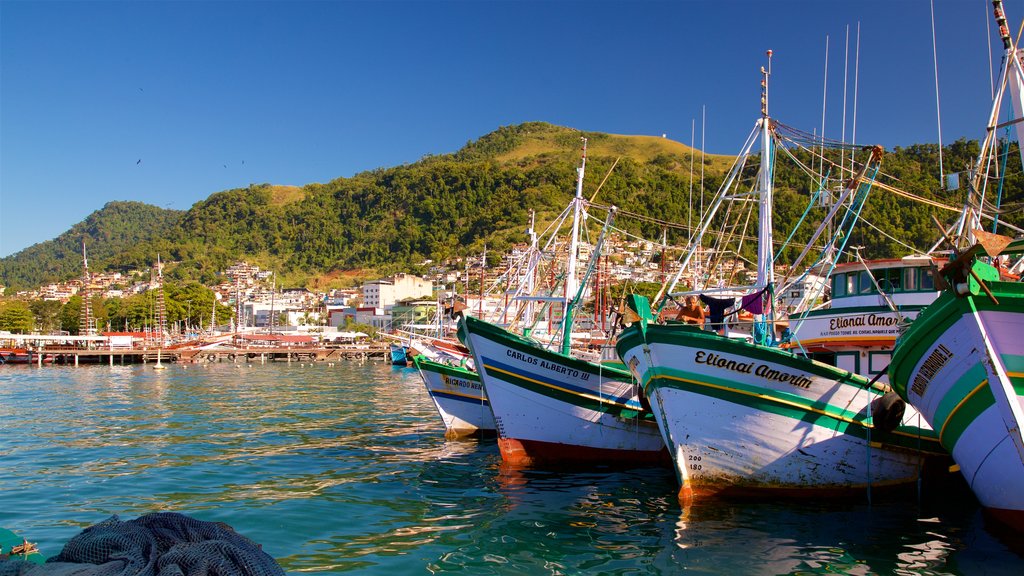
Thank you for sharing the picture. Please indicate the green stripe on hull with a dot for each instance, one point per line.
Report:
(773, 401)
(970, 397)
(614, 370)
(586, 402)
(431, 366)
(693, 337)
(940, 317)
(796, 408)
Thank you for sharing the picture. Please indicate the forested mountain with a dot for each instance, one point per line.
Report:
(449, 205)
(120, 232)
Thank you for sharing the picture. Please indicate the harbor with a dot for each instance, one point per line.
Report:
(550, 350)
(65, 355)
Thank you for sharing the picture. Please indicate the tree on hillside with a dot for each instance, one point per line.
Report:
(16, 317)
(46, 314)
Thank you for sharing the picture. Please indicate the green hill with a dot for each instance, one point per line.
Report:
(450, 205)
(121, 232)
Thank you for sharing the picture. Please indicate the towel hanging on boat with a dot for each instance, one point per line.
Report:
(754, 303)
(716, 309)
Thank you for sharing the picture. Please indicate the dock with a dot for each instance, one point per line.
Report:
(69, 355)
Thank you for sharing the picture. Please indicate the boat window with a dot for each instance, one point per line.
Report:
(895, 280)
(866, 285)
(878, 362)
(839, 285)
(882, 280)
(851, 283)
(910, 279)
(927, 280)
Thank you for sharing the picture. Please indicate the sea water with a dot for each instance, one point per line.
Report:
(344, 468)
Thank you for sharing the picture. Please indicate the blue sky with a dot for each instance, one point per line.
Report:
(217, 95)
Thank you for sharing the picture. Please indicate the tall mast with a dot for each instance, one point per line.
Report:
(570, 273)
(1012, 78)
(161, 315)
(765, 273)
(86, 322)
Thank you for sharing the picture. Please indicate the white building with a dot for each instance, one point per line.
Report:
(385, 293)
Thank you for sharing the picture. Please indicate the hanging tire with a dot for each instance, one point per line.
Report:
(887, 411)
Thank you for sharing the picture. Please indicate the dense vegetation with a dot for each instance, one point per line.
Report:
(452, 205)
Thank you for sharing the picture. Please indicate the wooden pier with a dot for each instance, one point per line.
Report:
(66, 355)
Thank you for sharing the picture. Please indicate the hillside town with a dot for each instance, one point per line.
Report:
(391, 304)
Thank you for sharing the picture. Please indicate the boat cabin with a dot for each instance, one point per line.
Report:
(867, 309)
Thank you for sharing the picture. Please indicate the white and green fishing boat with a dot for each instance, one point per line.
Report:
(458, 396)
(739, 414)
(551, 407)
(961, 363)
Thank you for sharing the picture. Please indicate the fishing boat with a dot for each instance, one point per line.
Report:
(458, 396)
(739, 414)
(550, 407)
(399, 354)
(961, 362)
(869, 303)
(23, 356)
(15, 548)
(15, 356)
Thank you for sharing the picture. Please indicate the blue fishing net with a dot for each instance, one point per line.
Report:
(160, 544)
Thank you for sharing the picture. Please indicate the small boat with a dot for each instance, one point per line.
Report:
(15, 356)
(961, 362)
(22, 356)
(399, 355)
(14, 547)
(458, 396)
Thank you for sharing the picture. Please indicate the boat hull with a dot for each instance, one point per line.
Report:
(458, 396)
(399, 355)
(962, 365)
(553, 410)
(739, 418)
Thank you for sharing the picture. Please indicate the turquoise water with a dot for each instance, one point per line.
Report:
(345, 468)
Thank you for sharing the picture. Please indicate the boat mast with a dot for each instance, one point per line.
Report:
(765, 272)
(570, 273)
(1012, 77)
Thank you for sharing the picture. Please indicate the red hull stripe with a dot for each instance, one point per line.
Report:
(534, 452)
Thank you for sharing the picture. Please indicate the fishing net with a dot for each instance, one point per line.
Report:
(160, 544)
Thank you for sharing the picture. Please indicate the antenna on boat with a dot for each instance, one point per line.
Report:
(764, 85)
(824, 99)
(846, 76)
(856, 76)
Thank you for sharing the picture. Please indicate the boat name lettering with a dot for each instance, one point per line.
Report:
(459, 382)
(929, 368)
(798, 380)
(717, 361)
(762, 370)
(520, 356)
(572, 372)
(863, 320)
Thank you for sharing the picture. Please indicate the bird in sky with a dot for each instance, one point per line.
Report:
(139, 162)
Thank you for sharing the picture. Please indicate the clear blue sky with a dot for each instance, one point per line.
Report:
(217, 95)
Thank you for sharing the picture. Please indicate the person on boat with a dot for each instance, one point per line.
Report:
(691, 312)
